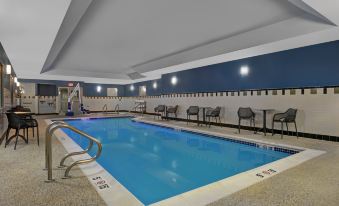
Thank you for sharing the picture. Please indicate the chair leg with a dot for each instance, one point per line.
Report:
(296, 130)
(17, 136)
(288, 132)
(26, 135)
(254, 126)
(272, 128)
(37, 131)
(7, 134)
(282, 129)
(239, 126)
(198, 119)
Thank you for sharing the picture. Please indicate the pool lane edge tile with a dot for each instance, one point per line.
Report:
(116, 194)
(225, 187)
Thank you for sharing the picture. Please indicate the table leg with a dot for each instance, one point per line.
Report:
(203, 116)
(3, 137)
(264, 122)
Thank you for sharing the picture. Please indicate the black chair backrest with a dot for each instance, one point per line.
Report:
(216, 111)
(193, 110)
(172, 109)
(14, 121)
(245, 112)
(291, 114)
(161, 108)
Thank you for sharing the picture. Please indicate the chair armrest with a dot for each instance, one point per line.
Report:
(279, 116)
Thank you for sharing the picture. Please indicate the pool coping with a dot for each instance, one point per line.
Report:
(200, 196)
(99, 177)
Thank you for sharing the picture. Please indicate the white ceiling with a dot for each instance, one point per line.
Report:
(103, 41)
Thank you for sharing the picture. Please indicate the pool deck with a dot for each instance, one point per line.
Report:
(315, 182)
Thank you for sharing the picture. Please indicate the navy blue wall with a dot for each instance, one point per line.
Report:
(150, 91)
(58, 83)
(90, 89)
(312, 66)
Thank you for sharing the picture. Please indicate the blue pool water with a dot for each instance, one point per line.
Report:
(155, 163)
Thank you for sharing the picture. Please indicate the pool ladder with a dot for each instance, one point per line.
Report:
(104, 108)
(48, 152)
(116, 109)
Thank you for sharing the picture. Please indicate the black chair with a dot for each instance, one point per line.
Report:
(33, 123)
(192, 111)
(160, 111)
(213, 113)
(287, 117)
(246, 113)
(17, 123)
(172, 110)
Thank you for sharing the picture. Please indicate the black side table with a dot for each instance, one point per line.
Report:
(264, 111)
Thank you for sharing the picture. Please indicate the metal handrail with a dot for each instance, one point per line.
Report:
(104, 108)
(139, 105)
(61, 165)
(116, 108)
(49, 132)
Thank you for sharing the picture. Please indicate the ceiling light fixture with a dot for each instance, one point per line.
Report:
(8, 69)
(174, 80)
(244, 70)
(98, 89)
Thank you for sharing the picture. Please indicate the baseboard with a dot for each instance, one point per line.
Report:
(269, 131)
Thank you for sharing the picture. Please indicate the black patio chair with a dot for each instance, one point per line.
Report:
(31, 122)
(287, 117)
(246, 113)
(172, 110)
(192, 111)
(160, 111)
(213, 113)
(17, 123)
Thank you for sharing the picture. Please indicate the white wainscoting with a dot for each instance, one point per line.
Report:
(317, 113)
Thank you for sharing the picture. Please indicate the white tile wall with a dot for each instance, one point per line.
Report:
(317, 113)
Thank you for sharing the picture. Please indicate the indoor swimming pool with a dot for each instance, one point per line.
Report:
(155, 163)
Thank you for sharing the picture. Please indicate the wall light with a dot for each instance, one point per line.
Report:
(131, 87)
(15, 79)
(174, 80)
(155, 85)
(98, 89)
(8, 69)
(244, 70)
(144, 88)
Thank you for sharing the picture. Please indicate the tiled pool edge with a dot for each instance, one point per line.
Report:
(222, 188)
(199, 196)
(116, 194)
